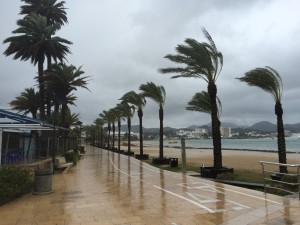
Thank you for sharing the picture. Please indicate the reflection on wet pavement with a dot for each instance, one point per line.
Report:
(107, 188)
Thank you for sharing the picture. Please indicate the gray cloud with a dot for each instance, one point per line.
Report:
(122, 44)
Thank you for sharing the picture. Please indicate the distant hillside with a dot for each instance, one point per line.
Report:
(136, 129)
(264, 126)
(294, 128)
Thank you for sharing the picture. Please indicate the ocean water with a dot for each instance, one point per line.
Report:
(263, 144)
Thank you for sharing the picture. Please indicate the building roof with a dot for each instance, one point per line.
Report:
(14, 122)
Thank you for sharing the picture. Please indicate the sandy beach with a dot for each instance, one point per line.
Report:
(238, 159)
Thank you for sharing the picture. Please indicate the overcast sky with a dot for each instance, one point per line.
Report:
(121, 45)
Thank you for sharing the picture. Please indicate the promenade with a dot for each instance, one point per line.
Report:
(106, 188)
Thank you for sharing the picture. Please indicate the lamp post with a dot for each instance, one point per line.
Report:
(54, 135)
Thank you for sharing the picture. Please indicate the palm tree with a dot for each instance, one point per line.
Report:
(120, 115)
(113, 115)
(36, 42)
(99, 124)
(106, 118)
(27, 102)
(270, 81)
(139, 103)
(62, 80)
(128, 112)
(204, 61)
(157, 94)
(54, 12)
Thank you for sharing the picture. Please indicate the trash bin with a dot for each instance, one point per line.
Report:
(174, 162)
(43, 181)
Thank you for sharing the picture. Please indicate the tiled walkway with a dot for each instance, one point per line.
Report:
(106, 188)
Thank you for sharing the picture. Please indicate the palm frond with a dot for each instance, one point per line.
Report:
(201, 103)
(267, 79)
(155, 92)
(202, 60)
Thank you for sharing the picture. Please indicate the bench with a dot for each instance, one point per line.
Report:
(60, 163)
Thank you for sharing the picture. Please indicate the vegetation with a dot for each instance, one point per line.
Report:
(72, 156)
(14, 181)
(27, 102)
(270, 81)
(157, 94)
(139, 102)
(35, 40)
(204, 61)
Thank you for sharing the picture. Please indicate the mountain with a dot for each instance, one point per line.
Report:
(264, 126)
(294, 128)
(136, 129)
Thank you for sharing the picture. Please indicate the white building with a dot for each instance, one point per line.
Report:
(225, 132)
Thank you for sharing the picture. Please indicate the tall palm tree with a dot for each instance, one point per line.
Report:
(55, 14)
(106, 118)
(128, 112)
(63, 80)
(113, 115)
(120, 115)
(36, 42)
(158, 94)
(270, 81)
(99, 124)
(204, 61)
(53, 11)
(27, 102)
(139, 102)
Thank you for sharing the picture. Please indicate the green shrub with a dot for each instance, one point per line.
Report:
(14, 181)
(72, 157)
(81, 149)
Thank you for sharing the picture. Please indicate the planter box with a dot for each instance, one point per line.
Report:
(128, 153)
(120, 152)
(212, 172)
(276, 176)
(159, 161)
(142, 157)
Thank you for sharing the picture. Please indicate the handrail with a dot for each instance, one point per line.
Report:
(276, 177)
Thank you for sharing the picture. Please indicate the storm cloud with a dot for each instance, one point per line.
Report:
(122, 44)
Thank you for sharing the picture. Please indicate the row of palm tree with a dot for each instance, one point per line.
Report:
(35, 40)
(204, 61)
(131, 102)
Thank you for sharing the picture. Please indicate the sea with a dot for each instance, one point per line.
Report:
(254, 144)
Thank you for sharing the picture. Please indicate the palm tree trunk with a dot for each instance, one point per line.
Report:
(101, 137)
(280, 137)
(161, 133)
(113, 139)
(140, 115)
(119, 135)
(42, 89)
(215, 122)
(108, 144)
(48, 95)
(129, 134)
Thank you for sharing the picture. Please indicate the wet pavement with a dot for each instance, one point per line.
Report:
(107, 188)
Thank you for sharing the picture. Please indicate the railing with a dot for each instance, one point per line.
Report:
(285, 182)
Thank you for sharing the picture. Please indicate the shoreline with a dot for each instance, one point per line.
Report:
(235, 158)
(233, 149)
